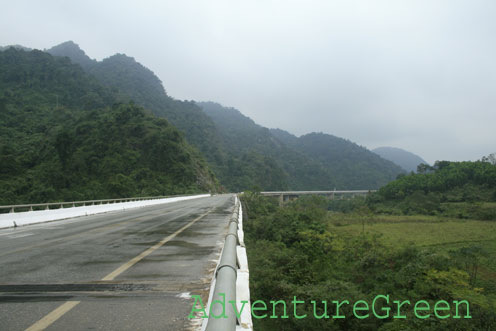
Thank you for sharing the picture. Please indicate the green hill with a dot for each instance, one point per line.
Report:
(311, 162)
(314, 161)
(242, 154)
(135, 82)
(241, 135)
(354, 166)
(454, 189)
(66, 137)
(72, 51)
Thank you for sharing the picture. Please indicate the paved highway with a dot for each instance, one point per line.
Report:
(127, 270)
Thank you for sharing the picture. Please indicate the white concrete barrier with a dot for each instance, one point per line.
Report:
(243, 280)
(38, 216)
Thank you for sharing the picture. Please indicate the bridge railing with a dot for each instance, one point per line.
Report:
(69, 204)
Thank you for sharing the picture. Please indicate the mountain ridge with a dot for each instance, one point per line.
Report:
(67, 137)
(139, 84)
(241, 153)
(338, 162)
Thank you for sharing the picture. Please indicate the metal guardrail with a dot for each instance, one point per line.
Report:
(82, 203)
(225, 283)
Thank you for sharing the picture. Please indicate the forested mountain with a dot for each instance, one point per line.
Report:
(313, 161)
(242, 154)
(242, 136)
(353, 166)
(66, 137)
(404, 159)
(72, 51)
(135, 82)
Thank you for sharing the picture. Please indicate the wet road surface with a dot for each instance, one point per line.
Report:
(126, 270)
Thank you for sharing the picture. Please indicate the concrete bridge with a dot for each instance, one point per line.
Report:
(290, 195)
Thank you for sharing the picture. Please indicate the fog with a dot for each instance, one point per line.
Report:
(418, 75)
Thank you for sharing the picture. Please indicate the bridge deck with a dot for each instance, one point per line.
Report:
(87, 267)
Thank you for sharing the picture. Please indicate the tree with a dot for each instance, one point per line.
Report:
(491, 158)
(423, 168)
(470, 259)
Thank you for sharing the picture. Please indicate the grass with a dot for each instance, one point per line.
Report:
(429, 232)
(417, 230)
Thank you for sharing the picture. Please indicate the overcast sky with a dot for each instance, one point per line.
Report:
(419, 75)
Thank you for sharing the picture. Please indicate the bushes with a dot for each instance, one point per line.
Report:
(293, 251)
(453, 189)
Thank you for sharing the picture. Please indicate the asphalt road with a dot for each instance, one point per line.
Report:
(126, 270)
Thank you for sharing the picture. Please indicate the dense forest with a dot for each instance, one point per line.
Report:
(457, 189)
(135, 82)
(288, 169)
(355, 249)
(238, 152)
(242, 154)
(355, 166)
(314, 161)
(66, 137)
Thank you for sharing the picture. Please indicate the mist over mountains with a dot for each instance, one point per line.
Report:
(135, 82)
(404, 159)
(239, 153)
(67, 137)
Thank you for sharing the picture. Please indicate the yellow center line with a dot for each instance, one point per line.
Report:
(46, 321)
(133, 261)
(79, 234)
(67, 306)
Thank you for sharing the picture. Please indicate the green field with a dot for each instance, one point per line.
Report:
(430, 232)
(418, 230)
